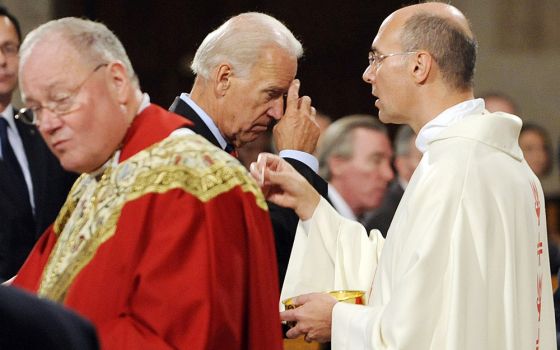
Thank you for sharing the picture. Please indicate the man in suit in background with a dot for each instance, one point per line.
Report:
(355, 158)
(244, 70)
(33, 186)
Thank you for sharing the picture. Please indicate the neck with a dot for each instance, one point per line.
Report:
(341, 189)
(433, 105)
(133, 106)
(203, 95)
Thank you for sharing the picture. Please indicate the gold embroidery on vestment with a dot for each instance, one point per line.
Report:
(92, 209)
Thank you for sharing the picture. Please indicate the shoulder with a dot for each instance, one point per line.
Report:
(192, 163)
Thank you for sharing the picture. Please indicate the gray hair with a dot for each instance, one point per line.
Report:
(402, 140)
(93, 40)
(239, 42)
(337, 141)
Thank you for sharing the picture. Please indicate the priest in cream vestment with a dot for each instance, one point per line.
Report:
(465, 263)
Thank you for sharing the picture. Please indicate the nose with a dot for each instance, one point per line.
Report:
(3, 58)
(387, 172)
(369, 74)
(276, 110)
(48, 121)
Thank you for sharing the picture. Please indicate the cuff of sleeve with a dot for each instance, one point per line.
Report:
(349, 329)
(304, 157)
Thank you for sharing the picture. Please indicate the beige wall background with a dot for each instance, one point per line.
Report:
(519, 54)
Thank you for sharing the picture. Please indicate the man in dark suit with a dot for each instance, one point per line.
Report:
(244, 70)
(33, 186)
(28, 322)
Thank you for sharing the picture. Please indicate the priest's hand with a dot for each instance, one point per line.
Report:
(297, 128)
(313, 317)
(284, 186)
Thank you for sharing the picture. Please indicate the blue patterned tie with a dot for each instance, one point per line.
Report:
(10, 162)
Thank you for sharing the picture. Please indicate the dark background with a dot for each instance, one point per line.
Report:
(161, 38)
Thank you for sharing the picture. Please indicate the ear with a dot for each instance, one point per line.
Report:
(337, 165)
(422, 66)
(119, 81)
(222, 79)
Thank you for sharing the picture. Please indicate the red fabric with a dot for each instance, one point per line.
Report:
(178, 273)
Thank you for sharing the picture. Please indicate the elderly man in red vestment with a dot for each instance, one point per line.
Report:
(164, 241)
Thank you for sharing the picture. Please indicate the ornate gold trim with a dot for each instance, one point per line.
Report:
(90, 214)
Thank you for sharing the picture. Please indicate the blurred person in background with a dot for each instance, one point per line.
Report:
(355, 159)
(499, 102)
(33, 185)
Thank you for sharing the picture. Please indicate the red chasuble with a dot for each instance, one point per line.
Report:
(170, 247)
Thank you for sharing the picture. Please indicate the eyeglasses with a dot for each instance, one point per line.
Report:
(376, 59)
(63, 105)
(9, 49)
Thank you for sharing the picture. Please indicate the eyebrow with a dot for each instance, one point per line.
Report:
(275, 90)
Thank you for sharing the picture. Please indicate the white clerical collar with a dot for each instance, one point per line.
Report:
(205, 118)
(340, 204)
(446, 118)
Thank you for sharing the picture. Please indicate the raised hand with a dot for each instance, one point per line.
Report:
(297, 129)
(284, 186)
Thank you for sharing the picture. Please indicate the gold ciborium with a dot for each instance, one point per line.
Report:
(346, 296)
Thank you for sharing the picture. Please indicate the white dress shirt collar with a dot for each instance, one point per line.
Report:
(340, 204)
(205, 118)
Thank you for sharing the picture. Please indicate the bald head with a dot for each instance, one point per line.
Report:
(446, 11)
(444, 32)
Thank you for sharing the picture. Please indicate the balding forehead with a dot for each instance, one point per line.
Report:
(446, 11)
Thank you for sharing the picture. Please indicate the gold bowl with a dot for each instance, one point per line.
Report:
(346, 296)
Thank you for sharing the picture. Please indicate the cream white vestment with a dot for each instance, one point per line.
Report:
(465, 265)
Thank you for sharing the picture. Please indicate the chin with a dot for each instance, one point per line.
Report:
(384, 118)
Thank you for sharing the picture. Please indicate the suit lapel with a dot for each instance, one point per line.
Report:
(36, 158)
(180, 107)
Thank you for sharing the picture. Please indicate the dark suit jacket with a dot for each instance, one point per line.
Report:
(19, 229)
(284, 221)
(28, 322)
(381, 217)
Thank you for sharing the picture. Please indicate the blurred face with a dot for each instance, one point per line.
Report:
(251, 103)
(9, 59)
(362, 179)
(86, 136)
(534, 151)
(388, 76)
